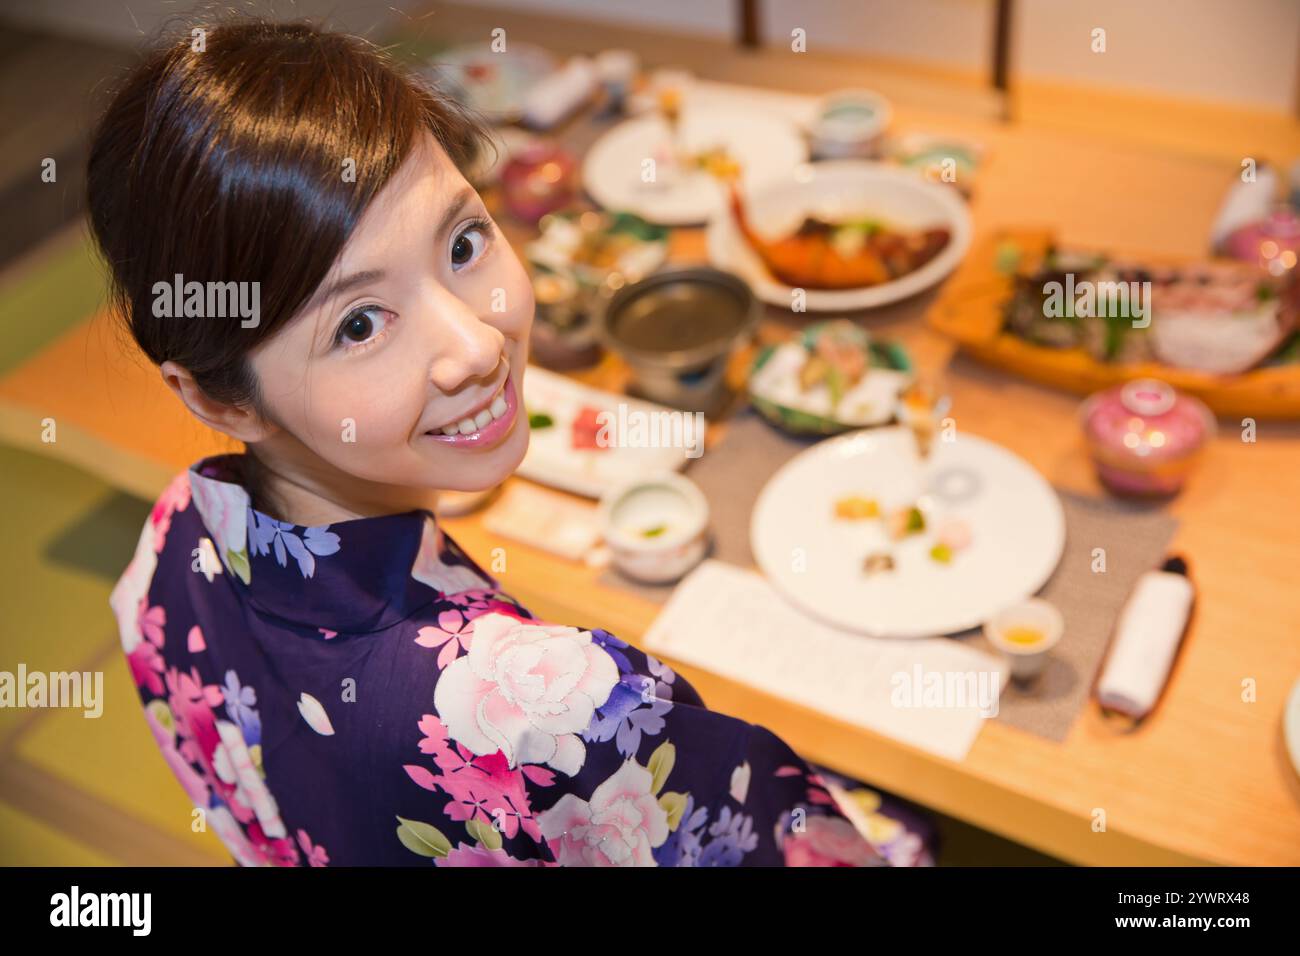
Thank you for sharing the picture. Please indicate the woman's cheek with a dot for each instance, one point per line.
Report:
(381, 410)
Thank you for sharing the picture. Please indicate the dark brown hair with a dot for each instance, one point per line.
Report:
(222, 158)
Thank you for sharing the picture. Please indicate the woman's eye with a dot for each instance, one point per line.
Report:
(469, 244)
(360, 326)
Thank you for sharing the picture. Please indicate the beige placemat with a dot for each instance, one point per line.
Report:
(1133, 537)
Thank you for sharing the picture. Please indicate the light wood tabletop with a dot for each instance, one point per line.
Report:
(1205, 779)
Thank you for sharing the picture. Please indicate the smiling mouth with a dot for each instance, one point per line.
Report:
(485, 426)
(491, 410)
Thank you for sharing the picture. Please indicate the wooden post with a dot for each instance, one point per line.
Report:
(748, 37)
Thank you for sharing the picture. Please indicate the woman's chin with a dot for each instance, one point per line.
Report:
(481, 470)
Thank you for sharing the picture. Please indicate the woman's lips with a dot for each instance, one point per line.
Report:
(491, 433)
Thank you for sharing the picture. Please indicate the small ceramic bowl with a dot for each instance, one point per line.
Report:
(656, 526)
(677, 329)
(1033, 614)
(849, 125)
(1145, 437)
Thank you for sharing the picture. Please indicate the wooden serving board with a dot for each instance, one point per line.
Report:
(970, 311)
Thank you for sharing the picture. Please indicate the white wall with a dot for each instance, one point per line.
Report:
(950, 33)
(1234, 51)
(1237, 51)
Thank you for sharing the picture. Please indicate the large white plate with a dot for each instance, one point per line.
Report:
(1291, 725)
(1016, 521)
(836, 191)
(551, 458)
(767, 147)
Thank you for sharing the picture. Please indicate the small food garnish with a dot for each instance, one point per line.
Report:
(837, 356)
(855, 507)
(905, 521)
(941, 553)
(655, 531)
(1022, 635)
(953, 534)
(878, 561)
(540, 420)
(586, 429)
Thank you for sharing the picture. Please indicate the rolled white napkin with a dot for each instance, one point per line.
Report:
(560, 93)
(1146, 640)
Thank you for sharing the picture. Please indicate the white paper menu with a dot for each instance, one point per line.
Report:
(932, 693)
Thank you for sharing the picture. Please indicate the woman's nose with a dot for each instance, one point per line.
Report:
(465, 347)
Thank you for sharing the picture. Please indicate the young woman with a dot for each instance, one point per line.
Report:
(330, 677)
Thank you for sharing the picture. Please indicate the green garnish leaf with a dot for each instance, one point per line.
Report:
(540, 420)
(835, 382)
(655, 531)
(915, 520)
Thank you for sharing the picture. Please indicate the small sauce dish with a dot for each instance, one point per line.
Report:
(1025, 633)
(656, 526)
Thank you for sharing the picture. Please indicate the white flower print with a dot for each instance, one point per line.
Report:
(315, 715)
(527, 690)
(224, 507)
(620, 826)
(132, 587)
(234, 765)
(740, 783)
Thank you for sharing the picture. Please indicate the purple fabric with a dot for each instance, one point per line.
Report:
(364, 693)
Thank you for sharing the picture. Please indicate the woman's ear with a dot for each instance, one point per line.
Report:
(238, 421)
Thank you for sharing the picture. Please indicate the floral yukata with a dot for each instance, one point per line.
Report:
(363, 693)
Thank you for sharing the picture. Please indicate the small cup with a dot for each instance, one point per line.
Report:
(1033, 614)
(849, 124)
(656, 526)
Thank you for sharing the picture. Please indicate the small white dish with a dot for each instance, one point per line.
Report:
(1026, 660)
(849, 124)
(656, 526)
(552, 459)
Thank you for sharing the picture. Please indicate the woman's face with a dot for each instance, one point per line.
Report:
(420, 328)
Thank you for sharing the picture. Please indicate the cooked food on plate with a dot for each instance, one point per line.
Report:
(833, 376)
(1219, 316)
(841, 255)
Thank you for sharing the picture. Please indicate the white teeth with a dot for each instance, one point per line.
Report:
(467, 426)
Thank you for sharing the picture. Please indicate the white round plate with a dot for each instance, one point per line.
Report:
(815, 560)
(492, 83)
(766, 147)
(1291, 726)
(836, 191)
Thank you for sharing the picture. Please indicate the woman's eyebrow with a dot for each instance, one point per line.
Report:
(458, 203)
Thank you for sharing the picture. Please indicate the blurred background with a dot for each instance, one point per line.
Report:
(1200, 83)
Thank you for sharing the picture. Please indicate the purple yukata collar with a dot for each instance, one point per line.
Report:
(350, 577)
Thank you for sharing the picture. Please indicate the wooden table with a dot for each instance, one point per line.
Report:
(1204, 780)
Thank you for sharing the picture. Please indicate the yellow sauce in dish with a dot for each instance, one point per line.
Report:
(1022, 635)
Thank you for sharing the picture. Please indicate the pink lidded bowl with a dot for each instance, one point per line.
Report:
(1145, 438)
(540, 178)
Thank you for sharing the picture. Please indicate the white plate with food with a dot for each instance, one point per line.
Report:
(567, 450)
(683, 187)
(847, 235)
(491, 82)
(862, 533)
